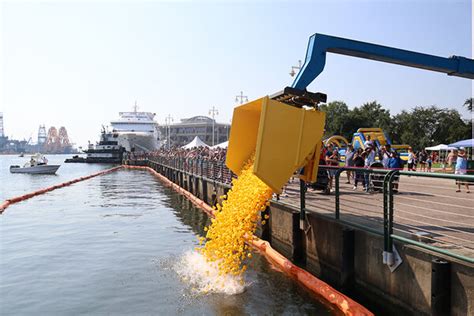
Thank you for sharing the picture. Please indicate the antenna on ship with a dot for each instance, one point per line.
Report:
(135, 107)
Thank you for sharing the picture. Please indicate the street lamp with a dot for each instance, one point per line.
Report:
(240, 98)
(213, 112)
(293, 68)
(168, 121)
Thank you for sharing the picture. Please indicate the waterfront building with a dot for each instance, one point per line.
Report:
(184, 132)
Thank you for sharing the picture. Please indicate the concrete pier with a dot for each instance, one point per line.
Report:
(350, 258)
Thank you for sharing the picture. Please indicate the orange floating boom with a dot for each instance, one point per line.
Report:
(26, 196)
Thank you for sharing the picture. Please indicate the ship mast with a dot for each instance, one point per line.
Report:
(135, 107)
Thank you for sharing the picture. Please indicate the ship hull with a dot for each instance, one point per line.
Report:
(138, 141)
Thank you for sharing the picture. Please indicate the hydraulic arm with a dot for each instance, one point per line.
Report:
(320, 44)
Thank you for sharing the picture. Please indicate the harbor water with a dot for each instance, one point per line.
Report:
(114, 245)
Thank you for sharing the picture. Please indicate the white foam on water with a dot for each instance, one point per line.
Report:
(203, 276)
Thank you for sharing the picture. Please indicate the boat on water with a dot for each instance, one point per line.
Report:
(38, 164)
(107, 150)
(137, 131)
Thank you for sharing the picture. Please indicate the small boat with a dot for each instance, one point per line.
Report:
(38, 164)
(21, 155)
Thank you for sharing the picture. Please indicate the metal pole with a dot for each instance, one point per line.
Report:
(213, 112)
(240, 98)
(168, 121)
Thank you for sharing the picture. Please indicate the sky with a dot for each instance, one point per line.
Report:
(77, 64)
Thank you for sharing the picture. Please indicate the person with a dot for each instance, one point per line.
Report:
(395, 163)
(385, 155)
(368, 142)
(411, 159)
(451, 160)
(359, 157)
(434, 157)
(461, 168)
(368, 161)
(429, 163)
(332, 159)
(349, 161)
(423, 156)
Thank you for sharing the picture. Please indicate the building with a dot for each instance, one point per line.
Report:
(184, 132)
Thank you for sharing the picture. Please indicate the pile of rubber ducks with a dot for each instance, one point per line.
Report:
(235, 221)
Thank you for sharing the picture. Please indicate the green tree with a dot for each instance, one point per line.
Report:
(336, 118)
(468, 104)
(370, 114)
(427, 126)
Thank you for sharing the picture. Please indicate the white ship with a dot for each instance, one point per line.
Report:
(137, 131)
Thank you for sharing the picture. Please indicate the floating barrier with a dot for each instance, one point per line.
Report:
(23, 197)
(319, 288)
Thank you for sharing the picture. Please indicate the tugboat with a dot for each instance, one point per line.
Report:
(107, 150)
(38, 164)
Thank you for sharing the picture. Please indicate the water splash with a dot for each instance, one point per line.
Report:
(205, 277)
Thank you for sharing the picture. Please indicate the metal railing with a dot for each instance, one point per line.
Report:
(392, 207)
(422, 213)
(215, 170)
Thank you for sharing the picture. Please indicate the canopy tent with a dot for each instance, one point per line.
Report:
(221, 145)
(196, 142)
(440, 147)
(463, 143)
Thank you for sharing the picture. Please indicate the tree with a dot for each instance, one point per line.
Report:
(426, 126)
(336, 118)
(370, 114)
(468, 104)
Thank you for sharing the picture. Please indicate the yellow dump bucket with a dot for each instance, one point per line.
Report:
(283, 137)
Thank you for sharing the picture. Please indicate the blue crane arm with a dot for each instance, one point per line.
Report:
(320, 44)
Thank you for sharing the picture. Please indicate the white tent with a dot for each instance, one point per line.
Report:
(196, 142)
(440, 147)
(221, 145)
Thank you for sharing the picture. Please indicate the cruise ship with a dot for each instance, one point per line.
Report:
(137, 131)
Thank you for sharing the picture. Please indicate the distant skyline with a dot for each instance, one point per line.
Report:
(77, 64)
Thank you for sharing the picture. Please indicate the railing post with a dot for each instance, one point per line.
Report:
(387, 249)
(390, 210)
(337, 191)
(440, 287)
(302, 201)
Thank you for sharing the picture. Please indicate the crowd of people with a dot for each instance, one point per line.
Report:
(202, 160)
(361, 159)
(206, 153)
(388, 158)
(356, 159)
